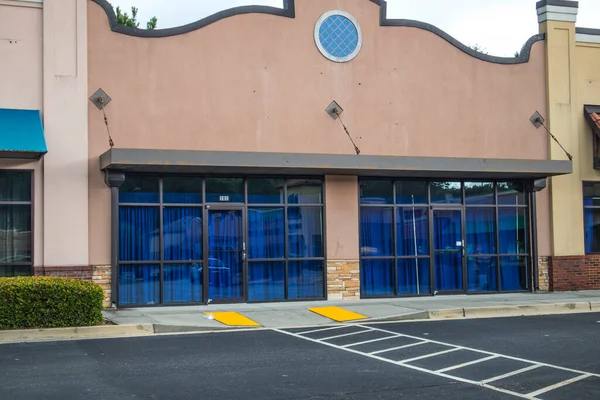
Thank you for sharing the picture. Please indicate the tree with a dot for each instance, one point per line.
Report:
(124, 19)
(478, 48)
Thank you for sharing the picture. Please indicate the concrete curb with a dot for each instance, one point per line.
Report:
(83, 332)
(516, 311)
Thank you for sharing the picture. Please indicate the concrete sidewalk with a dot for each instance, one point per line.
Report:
(296, 314)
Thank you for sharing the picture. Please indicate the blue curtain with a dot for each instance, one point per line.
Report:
(376, 231)
(377, 239)
(266, 280)
(305, 279)
(511, 235)
(481, 239)
(182, 241)
(448, 264)
(305, 232)
(139, 240)
(225, 267)
(592, 237)
(413, 273)
(139, 284)
(377, 277)
(407, 226)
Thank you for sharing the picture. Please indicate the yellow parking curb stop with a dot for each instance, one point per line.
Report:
(337, 313)
(230, 318)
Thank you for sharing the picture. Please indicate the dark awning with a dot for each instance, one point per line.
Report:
(246, 163)
(21, 134)
(592, 116)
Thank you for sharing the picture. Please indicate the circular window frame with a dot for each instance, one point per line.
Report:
(322, 49)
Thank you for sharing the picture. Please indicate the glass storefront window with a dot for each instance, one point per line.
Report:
(178, 190)
(376, 192)
(446, 192)
(266, 191)
(591, 217)
(411, 192)
(224, 190)
(140, 189)
(479, 193)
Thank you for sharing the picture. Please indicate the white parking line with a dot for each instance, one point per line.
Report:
(398, 347)
(512, 373)
(346, 334)
(323, 329)
(372, 341)
(557, 385)
(377, 355)
(439, 353)
(466, 364)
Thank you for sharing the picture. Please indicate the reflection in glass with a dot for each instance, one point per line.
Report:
(139, 284)
(412, 231)
(411, 192)
(479, 192)
(10, 271)
(512, 224)
(377, 277)
(376, 192)
(139, 233)
(448, 271)
(510, 193)
(591, 194)
(446, 192)
(15, 225)
(224, 190)
(266, 280)
(482, 274)
(513, 273)
(265, 232)
(591, 218)
(15, 186)
(265, 191)
(305, 279)
(305, 232)
(139, 189)
(481, 230)
(376, 231)
(305, 191)
(182, 233)
(182, 283)
(182, 190)
(413, 276)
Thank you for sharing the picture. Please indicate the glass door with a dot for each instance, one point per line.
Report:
(226, 255)
(448, 250)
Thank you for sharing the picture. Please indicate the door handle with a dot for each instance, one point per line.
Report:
(243, 256)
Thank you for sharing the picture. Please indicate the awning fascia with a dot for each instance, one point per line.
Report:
(264, 163)
(588, 110)
(21, 134)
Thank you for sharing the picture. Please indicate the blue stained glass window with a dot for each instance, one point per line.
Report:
(338, 36)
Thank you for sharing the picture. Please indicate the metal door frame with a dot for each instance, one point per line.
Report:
(433, 251)
(205, 274)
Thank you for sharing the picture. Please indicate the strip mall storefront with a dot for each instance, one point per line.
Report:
(311, 152)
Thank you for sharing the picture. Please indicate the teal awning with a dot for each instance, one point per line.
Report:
(21, 134)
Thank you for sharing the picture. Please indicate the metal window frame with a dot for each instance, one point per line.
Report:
(583, 183)
(244, 206)
(463, 206)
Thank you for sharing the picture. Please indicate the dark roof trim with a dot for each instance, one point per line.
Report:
(288, 11)
(587, 31)
(261, 163)
(559, 3)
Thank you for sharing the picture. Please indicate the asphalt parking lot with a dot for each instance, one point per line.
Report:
(546, 357)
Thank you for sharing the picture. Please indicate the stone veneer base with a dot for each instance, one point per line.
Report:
(343, 280)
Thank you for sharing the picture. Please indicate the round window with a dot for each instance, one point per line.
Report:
(338, 36)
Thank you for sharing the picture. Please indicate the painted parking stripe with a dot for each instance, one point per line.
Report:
(347, 334)
(380, 355)
(322, 329)
(231, 318)
(397, 348)
(338, 314)
(484, 359)
(372, 341)
(513, 373)
(558, 385)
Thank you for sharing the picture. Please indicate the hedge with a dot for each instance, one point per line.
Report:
(49, 302)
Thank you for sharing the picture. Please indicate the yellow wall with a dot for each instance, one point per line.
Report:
(573, 79)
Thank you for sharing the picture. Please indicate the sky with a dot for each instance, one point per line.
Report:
(472, 22)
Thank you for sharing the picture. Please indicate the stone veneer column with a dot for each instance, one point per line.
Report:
(341, 208)
(544, 273)
(101, 275)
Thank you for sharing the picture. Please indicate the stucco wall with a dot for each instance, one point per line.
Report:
(257, 82)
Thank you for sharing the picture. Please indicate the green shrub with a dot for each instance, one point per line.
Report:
(49, 302)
